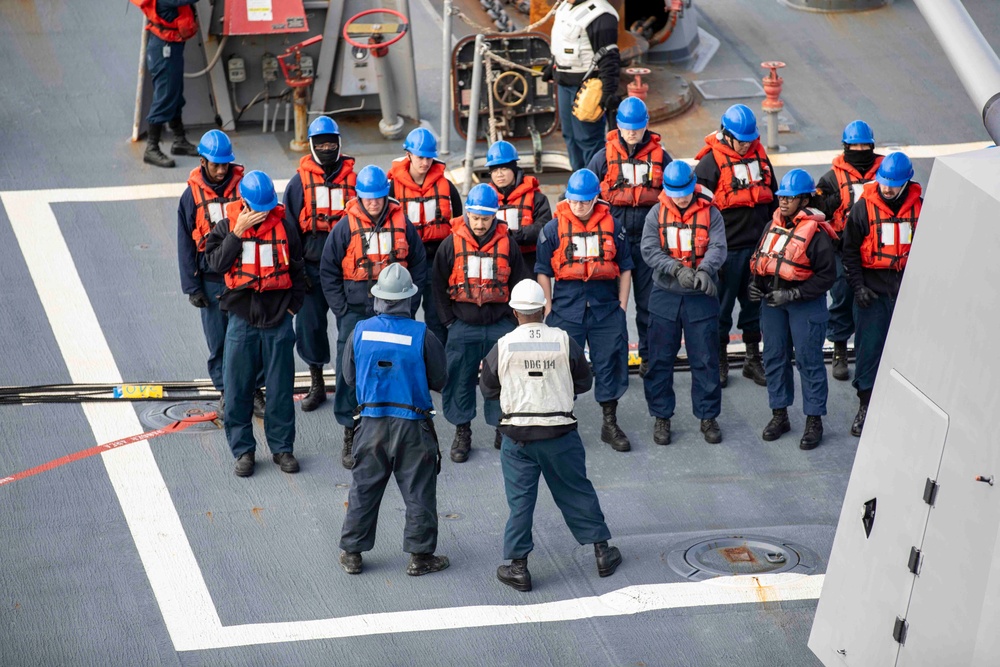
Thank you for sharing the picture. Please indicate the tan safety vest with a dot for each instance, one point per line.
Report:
(536, 385)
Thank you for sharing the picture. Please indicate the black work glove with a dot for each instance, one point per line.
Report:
(704, 282)
(754, 293)
(782, 296)
(684, 275)
(548, 72)
(198, 300)
(864, 297)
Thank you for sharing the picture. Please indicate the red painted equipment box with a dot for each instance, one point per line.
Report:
(264, 17)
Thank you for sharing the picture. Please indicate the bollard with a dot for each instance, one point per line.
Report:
(636, 88)
(443, 148)
(473, 127)
(772, 104)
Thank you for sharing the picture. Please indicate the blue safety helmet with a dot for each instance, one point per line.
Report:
(678, 179)
(257, 189)
(421, 142)
(583, 186)
(895, 170)
(482, 200)
(323, 125)
(740, 122)
(372, 183)
(501, 152)
(216, 147)
(632, 114)
(795, 183)
(858, 132)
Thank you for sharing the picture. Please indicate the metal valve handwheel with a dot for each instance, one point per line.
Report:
(510, 88)
(641, 71)
(373, 33)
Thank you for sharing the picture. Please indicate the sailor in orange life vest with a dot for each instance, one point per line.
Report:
(170, 23)
(734, 166)
(877, 240)
(314, 202)
(793, 267)
(473, 271)
(373, 234)
(211, 186)
(630, 167)
(836, 192)
(684, 243)
(394, 362)
(429, 201)
(259, 253)
(522, 205)
(587, 253)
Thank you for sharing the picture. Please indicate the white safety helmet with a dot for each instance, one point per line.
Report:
(527, 296)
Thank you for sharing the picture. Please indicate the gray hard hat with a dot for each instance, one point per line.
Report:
(394, 283)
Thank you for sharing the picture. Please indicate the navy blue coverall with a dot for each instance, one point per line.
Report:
(403, 447)
(673, 310)
(259, 338)
(633, 219)
(351, 300)
(590, 312)
(553, 452)
(165, 63)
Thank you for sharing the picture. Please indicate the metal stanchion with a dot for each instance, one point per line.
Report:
(473, 127)
(443, 148)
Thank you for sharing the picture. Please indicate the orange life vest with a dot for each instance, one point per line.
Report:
(782, 250)
(636, 180)
(181, 29)
(324, 204)
(210, 208)
(517, 208)
(851, 182)
(371, 250)
(263, 264)
(427, 206)
(744, 180)
(887, 245)
(586, 249)
(479, 274)
(684, 235)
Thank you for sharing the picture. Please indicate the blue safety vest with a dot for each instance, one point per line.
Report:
(389, 367)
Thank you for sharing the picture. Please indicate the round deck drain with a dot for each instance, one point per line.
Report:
(726, 555)
(158, 415)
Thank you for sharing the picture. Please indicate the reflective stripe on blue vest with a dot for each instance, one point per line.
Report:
(389, 367)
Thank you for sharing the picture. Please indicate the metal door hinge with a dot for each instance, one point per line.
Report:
(899, 630)
(930, 491)
(914, 563)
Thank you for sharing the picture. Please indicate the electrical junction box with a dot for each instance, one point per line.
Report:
(306, 63)
(237, 69)
(355, 73)
(264, 17)
(269, 67)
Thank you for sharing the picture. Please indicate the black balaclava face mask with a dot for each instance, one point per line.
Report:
(860, 160)
(329, 160)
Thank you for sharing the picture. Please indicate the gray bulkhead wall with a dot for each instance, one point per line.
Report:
(932, 416)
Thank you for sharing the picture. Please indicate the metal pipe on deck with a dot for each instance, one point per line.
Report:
(443, 148)
(971, 56)
(472, 129)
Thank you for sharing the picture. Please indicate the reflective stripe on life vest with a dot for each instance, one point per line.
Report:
(209, 207)
(370, 250)
(263, 264)
(851, 183)
(887, 245)
(427, 206)
(324, 203)
(782, 250)
(635, 180)
(480, 274)
(685, 235)
(586, 249)
(517, 208)
(744, 180)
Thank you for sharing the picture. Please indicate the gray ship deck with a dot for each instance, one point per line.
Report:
(155, 554)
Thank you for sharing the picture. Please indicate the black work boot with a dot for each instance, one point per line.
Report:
(259, 404)
(153, 154)
(859, 419)
(778, 425)
(462, 443)
(351, 562)
(661, 431)
(643, 368)
(346, 455)
(421, 564)
(181, 145)
(724, 363)
(287, 462)
(840, 371)
(317, 390)
(710, 429)
(498, 439)
(610, 432)
(608, 558)
(813, 433)
(516, 575)
(244, 465)
(752, 367)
